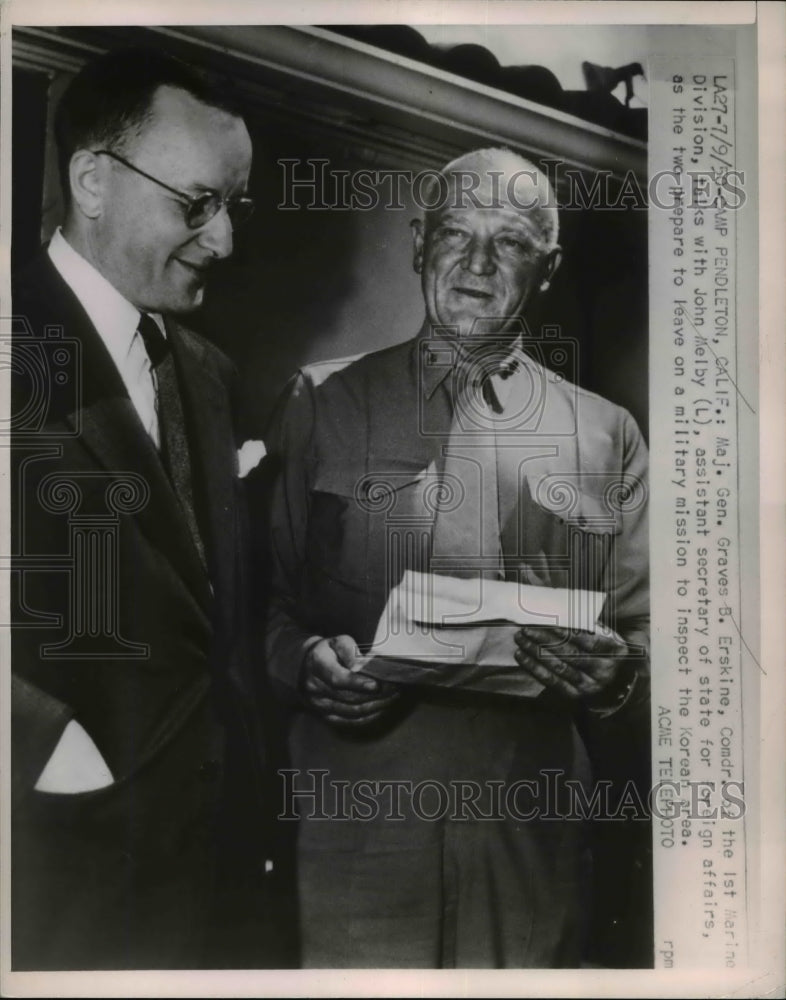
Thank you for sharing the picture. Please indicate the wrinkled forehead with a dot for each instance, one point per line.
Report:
(483, 208)
(532, 225)
(522, 190)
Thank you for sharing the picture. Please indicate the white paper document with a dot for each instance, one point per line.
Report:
(455, 632)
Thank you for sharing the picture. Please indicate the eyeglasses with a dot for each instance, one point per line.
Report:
(199, 209)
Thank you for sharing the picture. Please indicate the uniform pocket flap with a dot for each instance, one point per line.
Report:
(369, 487)
(598, 513)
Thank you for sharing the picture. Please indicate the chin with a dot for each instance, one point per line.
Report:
(186, 302)
(194, 302)
(479, 326)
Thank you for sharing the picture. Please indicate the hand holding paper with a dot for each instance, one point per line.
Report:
(458, 632)
(332, 688)
(579, 665)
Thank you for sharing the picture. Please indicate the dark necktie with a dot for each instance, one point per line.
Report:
(174, 442)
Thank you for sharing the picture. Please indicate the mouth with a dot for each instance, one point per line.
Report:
(473, 293)
(197, 270)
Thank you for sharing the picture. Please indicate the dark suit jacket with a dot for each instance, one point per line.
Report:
(119, 626)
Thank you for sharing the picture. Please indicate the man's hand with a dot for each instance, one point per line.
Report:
(579, 665)
(76, 765)
(339, 695)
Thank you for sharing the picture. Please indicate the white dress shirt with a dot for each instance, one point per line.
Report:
(117, 322)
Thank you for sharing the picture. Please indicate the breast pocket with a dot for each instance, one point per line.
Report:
(566, 537)
(367, 526)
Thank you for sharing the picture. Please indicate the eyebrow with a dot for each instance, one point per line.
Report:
(199, 188)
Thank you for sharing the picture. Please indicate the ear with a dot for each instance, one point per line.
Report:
(418, 242)
(87, 183)
(550, 265)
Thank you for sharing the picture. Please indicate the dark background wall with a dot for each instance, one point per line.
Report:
(311, 285)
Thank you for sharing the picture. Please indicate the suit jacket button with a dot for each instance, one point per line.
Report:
(209, 770)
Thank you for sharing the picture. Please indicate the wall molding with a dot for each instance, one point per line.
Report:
(392, 107)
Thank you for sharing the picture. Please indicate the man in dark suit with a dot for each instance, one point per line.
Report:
(129, 659)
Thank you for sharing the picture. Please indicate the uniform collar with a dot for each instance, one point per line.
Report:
(437, 353)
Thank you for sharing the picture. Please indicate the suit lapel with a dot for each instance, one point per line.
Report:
(213, 452)
(213, 457)
(106, 423)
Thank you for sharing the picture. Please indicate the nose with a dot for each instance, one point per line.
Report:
(479, 257)
(216, 235)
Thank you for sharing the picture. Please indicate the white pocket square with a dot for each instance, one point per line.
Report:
(76, 765)
(249, 457)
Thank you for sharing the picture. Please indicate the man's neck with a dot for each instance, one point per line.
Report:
(78, 240)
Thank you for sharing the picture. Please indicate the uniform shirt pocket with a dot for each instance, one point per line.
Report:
(364, 522)
(566, 536)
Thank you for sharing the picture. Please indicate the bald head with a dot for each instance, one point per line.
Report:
(495, 178)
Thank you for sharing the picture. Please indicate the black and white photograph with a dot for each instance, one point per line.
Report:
(384, 603)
